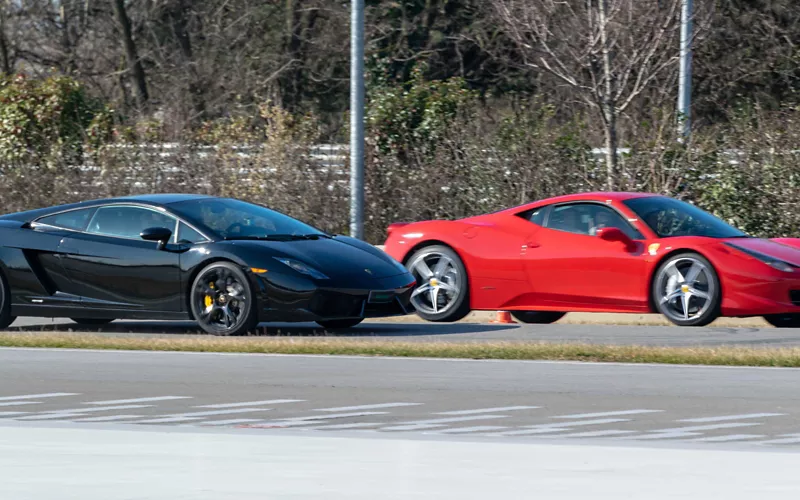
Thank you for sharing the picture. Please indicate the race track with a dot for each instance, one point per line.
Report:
(464, 332)
(514, 401)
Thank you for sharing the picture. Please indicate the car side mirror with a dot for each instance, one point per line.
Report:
(616, 234)
(159, 234)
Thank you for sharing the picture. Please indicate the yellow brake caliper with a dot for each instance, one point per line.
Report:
(208, 300)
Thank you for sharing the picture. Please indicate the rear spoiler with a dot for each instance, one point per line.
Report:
(395, 225)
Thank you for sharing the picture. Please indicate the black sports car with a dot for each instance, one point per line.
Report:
(223, 262)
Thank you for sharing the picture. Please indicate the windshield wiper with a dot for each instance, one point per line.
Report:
(279, 237)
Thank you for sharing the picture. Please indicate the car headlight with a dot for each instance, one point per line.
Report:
(766, 259)
(302, 268)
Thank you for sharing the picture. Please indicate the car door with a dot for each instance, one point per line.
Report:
(111, 267)
(569, 265)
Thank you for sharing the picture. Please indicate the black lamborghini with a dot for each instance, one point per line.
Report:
(225, 263)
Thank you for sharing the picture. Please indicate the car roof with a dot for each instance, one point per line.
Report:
(601, 196)
(158, 200)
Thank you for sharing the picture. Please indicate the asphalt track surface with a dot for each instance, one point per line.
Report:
(459, 332)
(508, 401)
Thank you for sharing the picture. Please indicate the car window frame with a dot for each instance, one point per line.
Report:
(546, 223)
(173, 239)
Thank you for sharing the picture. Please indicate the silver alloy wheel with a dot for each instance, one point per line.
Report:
(686, 289)
(439, 282)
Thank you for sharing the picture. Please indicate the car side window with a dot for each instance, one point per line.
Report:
(74, 219)
(188, 235)
(127, 222)
(587, 218)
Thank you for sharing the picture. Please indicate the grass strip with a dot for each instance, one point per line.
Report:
(715, 356)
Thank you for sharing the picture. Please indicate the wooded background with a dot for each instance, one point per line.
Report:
(472, 104)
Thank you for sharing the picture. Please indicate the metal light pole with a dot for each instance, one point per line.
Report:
(685, 79)
(357, 120)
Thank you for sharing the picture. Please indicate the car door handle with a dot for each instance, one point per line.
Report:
(532, 244)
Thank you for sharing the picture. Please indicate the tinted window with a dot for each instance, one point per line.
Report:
(587, 218)
(127, 222)
(669, 217)
(75, 219)
(536, 215)
(238, 219)
(187, 234)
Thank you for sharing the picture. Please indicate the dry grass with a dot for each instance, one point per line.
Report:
(727, 356)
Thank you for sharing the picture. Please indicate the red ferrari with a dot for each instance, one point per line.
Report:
(599, 252)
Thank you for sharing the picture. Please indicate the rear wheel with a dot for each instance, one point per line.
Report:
(686, 290)
(442, 292)
(784, 320)
(537, 317)
(222, 301)
(92, 321)
(5, 303)
(339, 324)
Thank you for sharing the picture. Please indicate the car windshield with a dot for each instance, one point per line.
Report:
(668, 217)
(235, 219)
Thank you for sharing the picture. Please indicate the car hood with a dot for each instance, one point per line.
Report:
(769, 248)
(334, 258)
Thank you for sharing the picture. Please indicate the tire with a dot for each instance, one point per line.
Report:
(687, 278)
(5, 303)
(92, 321)
(222, 300)
(446, 282)
(783, 320)
(537, 317)
(339, 324)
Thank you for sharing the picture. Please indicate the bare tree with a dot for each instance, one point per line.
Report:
(610, 52)
(131, 54)
(5, 50)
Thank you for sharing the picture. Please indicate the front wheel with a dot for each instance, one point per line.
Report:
(339, 324)
(686, 290)
(784, 320)
(537, 317)
(442, 292)
(222, 301)
(5, 303)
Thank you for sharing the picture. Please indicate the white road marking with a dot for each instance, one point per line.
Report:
(12, 413)
(369, 407)
(411, 427)
(607, 414)
(667, 435)
(108, 418)
(487, 410)
(793, 440)
(730, 437)
(217, 412)
(453, 419)
(706, 427)
(578, 423)
(37, 396)
(267, 424)
(167, 420)
(231, 421)
(592, 434)
(252, 403)
(531, 432)
(51, 416)
(477, 428)
(360, 425)
(137, 400)
(20, 403)
(731, 417)
(334, 415)
(99, 408)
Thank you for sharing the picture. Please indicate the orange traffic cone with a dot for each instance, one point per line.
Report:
(503, 317)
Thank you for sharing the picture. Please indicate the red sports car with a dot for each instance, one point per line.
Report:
(599, 252)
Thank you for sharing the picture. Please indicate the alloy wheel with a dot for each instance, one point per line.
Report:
(686, 289)
(439, 280)
(220, 299)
